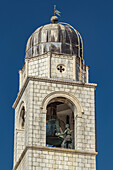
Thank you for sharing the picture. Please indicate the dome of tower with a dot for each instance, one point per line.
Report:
(58, 38)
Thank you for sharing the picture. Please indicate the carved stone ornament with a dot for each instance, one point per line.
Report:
(61, 68)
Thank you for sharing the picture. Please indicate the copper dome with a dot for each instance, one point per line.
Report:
(58, 38)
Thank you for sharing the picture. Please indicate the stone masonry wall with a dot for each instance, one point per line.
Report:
(68, 64)
(20, 142)
(35, 123)
(46, 66)
(21, 136)
(38, 67)
(85, 125)
(56, 159)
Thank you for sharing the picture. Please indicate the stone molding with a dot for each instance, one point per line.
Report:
(20, 107)
(63, 94)
(37, 57)
(45, 55)
(50, 149)
(50, 80)
(19, 130)
(17, 118)
(55, 54)
(69, 57)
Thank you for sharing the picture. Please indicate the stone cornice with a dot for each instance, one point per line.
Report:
(50, 80)
(20, 93)
(59, 54)
(50, 149)
(45, 55)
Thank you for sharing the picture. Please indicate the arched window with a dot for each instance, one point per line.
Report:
(20, 132)
(22, 118)
(60, 123)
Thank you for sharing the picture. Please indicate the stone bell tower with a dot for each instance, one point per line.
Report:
(55, 106)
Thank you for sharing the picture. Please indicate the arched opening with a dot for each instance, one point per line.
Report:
(60, 123)
(22, 118)
(20, 131)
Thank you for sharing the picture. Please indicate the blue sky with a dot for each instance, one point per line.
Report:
(94, 20)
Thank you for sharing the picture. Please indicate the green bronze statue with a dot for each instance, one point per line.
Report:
(67, 142)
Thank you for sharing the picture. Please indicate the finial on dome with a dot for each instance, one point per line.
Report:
(54, 19)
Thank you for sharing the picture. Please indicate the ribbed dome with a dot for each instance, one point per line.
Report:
(58, 38)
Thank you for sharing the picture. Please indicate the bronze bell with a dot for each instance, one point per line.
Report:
(52, 128)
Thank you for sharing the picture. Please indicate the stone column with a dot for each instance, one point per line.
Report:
(26, 68)
(87, 74)
(20, 79)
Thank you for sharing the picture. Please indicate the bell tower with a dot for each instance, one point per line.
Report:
(55, 106)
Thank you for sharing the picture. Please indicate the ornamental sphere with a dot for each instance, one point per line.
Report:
(54, 19)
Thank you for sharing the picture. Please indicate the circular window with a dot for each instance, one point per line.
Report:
(61, 68)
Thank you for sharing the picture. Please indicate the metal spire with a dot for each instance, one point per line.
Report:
(54, 10)
(54, 19)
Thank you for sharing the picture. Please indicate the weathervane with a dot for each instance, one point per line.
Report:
(54, 19)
